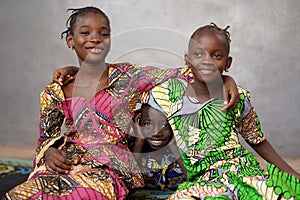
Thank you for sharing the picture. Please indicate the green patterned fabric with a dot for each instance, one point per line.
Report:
(218, 166)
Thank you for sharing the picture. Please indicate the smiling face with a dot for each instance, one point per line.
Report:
(90, 38)
(208, 55)
(155, 128)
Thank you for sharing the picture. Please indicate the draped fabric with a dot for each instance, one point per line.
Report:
(218, 166)
(95, 138)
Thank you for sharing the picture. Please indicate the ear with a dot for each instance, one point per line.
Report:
(187, 59)
(70, 41)
(228, 64)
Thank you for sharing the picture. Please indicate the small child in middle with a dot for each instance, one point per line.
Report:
(155, 150)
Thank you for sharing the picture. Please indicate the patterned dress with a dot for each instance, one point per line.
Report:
(217, 165)
(95, 138)
(159, 168)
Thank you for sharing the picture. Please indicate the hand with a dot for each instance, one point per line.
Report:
(64, 75)
(140, 139)
(56, 161)
(231, 94)
(136, 127)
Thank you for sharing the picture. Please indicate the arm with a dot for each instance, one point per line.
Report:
(51, 120)
(146, 77)
(64, 75)
(267, 152)
(251, 131)
(231, 94)
(174, 149)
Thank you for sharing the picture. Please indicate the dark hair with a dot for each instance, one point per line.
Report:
(217, 29)
(76, 12)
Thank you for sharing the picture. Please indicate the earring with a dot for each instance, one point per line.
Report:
(226, 70)
(72, 47)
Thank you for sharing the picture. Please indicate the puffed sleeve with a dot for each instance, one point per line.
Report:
(51, 120)
(250, 128)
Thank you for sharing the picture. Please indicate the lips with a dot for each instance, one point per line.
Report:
(206, 71)
(95, 50)
(156, 142)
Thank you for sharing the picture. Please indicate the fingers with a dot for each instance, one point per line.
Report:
(68, 79)
(226, 98)
(58, 168)
(136, 118)
(230, 101)
(137, 128)
(57, 162)
(62, 77)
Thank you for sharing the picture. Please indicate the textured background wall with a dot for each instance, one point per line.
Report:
(265, 48)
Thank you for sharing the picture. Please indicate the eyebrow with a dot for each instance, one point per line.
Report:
(87, 26)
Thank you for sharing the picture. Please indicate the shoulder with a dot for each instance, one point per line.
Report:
(244, 93)
(54, 91)
(122, 67)
(244, 103)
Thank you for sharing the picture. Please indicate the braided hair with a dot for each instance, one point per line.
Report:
(219, 30)
(77, 12)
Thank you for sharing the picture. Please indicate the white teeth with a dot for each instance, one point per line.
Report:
(205, 71)
(95, 50)
(156, 142)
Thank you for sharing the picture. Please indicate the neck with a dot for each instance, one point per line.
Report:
(90, 70)
(205, 91)
(90, 79)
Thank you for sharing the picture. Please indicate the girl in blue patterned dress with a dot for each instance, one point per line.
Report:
(155, 150)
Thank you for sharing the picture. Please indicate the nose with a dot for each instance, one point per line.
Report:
(157, 130)
(207, 60)
(96, 37)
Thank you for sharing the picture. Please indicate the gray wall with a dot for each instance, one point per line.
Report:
(265, 48)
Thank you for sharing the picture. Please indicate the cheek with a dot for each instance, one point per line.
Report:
(195, 61)
(168, 134)
(107, 42)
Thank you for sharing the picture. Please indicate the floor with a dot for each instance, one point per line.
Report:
(28, 153)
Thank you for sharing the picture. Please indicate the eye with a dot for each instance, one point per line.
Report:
(105, 34)
(218, 56)
(84, 32)
(146, 124)
(198, 54)
(165, 125)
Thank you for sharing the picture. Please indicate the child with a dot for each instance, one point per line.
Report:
(158, 162)
(218, 167)
(91, 160)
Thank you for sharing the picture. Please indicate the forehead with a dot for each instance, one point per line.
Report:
(209, 37)
(92, 18)
(152, 113)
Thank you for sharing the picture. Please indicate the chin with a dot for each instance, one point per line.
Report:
(156, 147)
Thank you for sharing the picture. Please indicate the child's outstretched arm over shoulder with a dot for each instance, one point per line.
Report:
(267, 152)
(231, 94)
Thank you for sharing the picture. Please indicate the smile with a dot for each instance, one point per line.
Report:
(156, 142)
(95, 50)
(206, 71)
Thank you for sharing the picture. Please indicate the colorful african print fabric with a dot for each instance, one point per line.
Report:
(162, 173)
(217, 165)
(95, 138)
